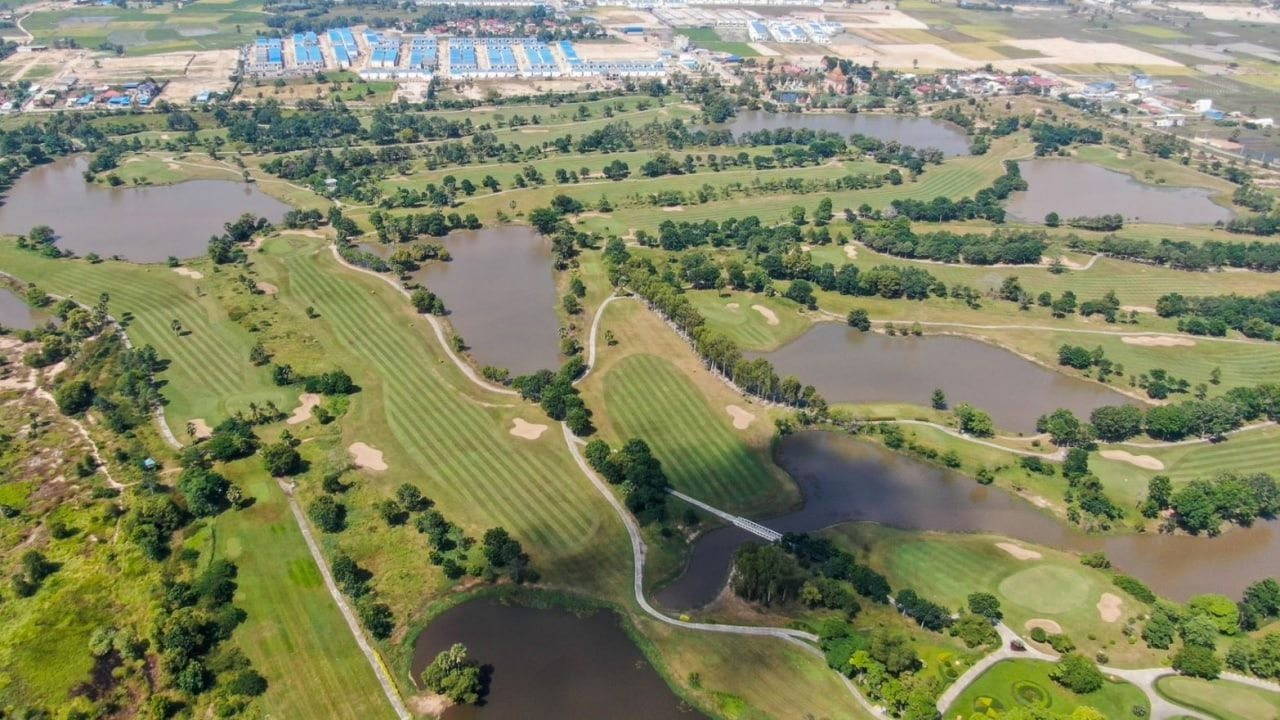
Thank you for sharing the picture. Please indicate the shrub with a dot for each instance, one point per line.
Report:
(1078, 674)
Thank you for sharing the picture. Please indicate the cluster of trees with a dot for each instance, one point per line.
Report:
(641, 475)
(455, 676)
(884, 663)
(228, 247)
(1203, 505)
(557, 395)
(984, 205)
(1205, 619)
(1255, 317)
(1099, 223)
(1265, 224)
(895, 237)
(1050, 138)
(410, 226)
(1185, 255)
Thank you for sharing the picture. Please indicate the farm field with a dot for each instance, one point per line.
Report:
(201, 26)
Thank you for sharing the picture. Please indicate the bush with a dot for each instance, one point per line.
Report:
(1078, 674)
(1134, 587)
(281, 459)
(1197, 662)
(328, 514)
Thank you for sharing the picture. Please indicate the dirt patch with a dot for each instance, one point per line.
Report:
(1018, 551)
(522, 428)
(1157, 341)
(1049, 626)
(201, 428)
(267, 288)
(1138, 309)
(366, 456)
(1062, 260)
(850, 252)
(307, 403)
(1109, 607)
(189, 273)
(769, 316)
(741, 418)
(1062, 51)
(428, 704)
(674, 208)
(764, 49)
(1230, 12)
(1146, 462)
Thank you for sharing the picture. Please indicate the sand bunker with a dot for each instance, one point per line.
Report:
(1138, 309)
(189, 273)
(201, 428)
(741, 418)
(307, 403)
(850, 252)
(732, 306)
(1146, 462)
(267, 288)
(1018, 551)
(522, 428)
(675, 208)
(769, 316)
(1049, 626)
(1109, 607)
(367, 457)
(1157, 341)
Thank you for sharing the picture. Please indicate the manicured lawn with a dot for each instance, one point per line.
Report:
(1251, 452)
(1015, 683)
(1221, 699)
(735, 315)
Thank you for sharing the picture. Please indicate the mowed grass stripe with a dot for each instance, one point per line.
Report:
(455, 442)
(647, 397)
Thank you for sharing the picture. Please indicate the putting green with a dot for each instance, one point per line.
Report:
(1047, 588)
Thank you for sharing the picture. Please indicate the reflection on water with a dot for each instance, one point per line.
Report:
(845, 480)
(1073, 189)
(16, 313)
(851, 366)
(142, 224)
(550, 665)
(919, 132)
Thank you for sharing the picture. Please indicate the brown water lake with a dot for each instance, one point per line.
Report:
(550, 665)
(15, 312)
(1072, 189)
(846, 365)
(919, 132)
(142, 224)
(844, 479)
(500, 291)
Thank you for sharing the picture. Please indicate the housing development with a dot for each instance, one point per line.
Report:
(642, 360)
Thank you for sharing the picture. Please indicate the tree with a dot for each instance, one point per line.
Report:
(1116, 423)
(1078, 674)
(1052, 220)
(74, 397)
(1077, 463)
(544, 219)
(939, 399)
(454, 675)
(205, 491)
(328, 514)
(975, 630)
(1065, 429)
(766, 574)
(1220, 609)
(281, 459)
(1159, 495)
(986, 605)
(859, 320)
(974, 421)
(1199, 631)
(893, 649)
(1197, 662)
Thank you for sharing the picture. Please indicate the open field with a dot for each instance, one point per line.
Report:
(1013, 683)
(1039, 583)
(199, 26)
(1221, 699)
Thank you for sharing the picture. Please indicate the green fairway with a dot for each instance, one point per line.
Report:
(1249, 452)
(736, 315)
(294, 633)
(1221, 699)
(1014, 683)
(209, 375)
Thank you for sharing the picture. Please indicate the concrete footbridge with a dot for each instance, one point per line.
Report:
(750, 526)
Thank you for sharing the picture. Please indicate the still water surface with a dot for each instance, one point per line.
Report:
(142, 224)
(15, 312)
(1072, 189)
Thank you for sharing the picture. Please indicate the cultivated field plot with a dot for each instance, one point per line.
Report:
(206, 25)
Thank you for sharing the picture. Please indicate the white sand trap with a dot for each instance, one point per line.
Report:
(732, 306)
(201, 427)
(268, 288)
(1018, 551)
(850, 252)
(307, 403)
(522, 428)
(189, 273)
(1109, 607)
(741, 418)
(1146, 462)
(1050, 626)
(675, 208)
(1138, 309)
(1157, 341)
(366, 456)
(769, 316)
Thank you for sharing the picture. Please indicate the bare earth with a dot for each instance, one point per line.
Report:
(201, 427)
(741, 418)
(307, 403)
(850, 252)
(769, 316)
(522, 428)
(1050, 626)
(1018, 551)
(189, 273)
(1145, 462)
(1157, 341)
(1109, 607)
(1138, 309)
(1061, 51)
(1216, 11)
(268, 288)
(367, 457)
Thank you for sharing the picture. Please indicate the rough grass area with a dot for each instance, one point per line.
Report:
(1026, 683)
(1221, 699)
